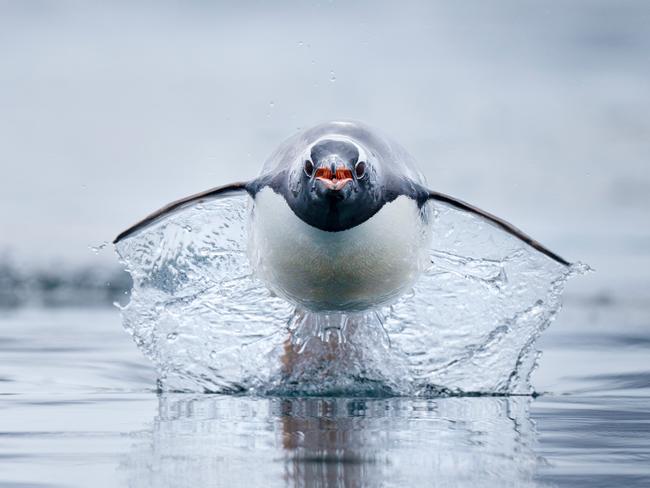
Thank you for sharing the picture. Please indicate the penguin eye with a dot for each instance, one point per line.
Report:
(360, 169)
(309, 168)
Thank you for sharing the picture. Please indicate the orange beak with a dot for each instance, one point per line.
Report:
(336, 180)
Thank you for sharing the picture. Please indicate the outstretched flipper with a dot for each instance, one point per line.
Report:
(471, 321)
(508, 227)
(196, 309)
(175, 206)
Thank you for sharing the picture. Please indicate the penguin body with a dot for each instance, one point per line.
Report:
(339, 219)
(354, 269)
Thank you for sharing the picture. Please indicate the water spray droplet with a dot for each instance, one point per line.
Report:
(172, 336)
(332, 76)
(98, 248)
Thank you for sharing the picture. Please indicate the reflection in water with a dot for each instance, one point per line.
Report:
(238, 441)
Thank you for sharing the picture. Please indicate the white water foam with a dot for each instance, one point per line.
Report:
(469, 324)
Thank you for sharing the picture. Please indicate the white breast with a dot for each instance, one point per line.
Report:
(368, 265)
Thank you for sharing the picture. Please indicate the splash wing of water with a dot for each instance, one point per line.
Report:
(471, 321)
(469, 324)
(196, 311)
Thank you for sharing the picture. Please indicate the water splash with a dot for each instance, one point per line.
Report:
(469, 324)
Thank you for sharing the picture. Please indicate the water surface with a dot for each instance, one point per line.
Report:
(78, 403)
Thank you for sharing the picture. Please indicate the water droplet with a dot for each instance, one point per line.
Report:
(300, 44)
(172, 336)
(188, 228)
(213, 354)
(271, 104)
(332, 76)
(98, 248)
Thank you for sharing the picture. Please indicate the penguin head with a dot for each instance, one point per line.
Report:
(335, 185)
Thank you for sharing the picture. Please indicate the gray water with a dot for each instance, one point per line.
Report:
(79, 407)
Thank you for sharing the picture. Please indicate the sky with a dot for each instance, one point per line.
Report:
(536, 111)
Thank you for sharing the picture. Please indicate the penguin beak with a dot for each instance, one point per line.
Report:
(334, 180)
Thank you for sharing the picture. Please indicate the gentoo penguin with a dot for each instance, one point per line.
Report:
(339, 219)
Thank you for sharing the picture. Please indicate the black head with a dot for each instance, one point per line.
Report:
(334, 186)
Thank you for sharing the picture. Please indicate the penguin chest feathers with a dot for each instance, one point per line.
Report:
(355, 269)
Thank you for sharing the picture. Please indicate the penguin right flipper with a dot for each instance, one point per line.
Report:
(177, 205)
(493, 219)
(470, 320)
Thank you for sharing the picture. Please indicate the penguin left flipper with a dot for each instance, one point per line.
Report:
(177, 205)
(196, 308)
(493, 219)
